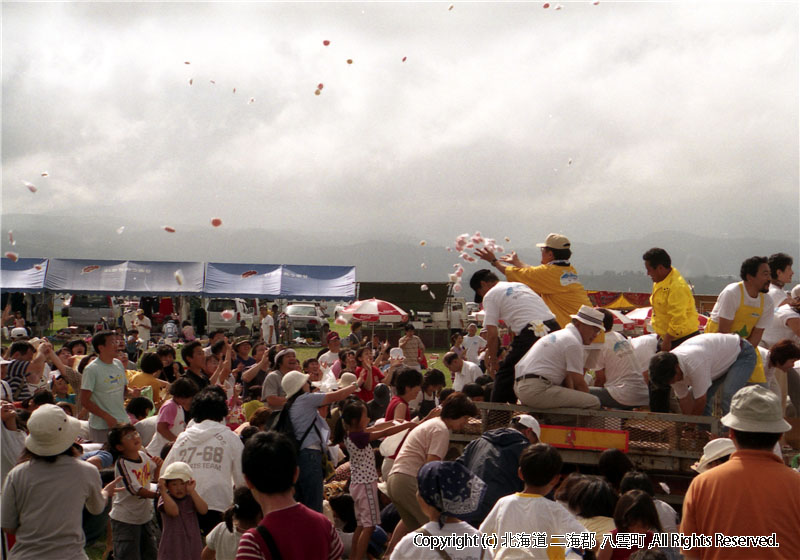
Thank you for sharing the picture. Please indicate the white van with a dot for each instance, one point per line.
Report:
(241, 312)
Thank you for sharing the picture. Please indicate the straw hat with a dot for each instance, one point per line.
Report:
(589, 316)
(714, 449)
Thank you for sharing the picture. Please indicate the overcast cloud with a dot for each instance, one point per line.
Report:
(676, 116)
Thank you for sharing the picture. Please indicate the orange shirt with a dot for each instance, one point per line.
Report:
(754, 493)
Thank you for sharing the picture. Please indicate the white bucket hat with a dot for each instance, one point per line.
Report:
(178, 471)
(396, 353)
(347, 379)
(589, 316)
(52, 431)
(713, 450)
(293, 382)
(756, 409)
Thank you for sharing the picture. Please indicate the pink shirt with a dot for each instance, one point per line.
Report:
(429, 438)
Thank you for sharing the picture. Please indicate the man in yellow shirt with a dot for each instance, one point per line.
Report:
(555, 280)
(674, 316)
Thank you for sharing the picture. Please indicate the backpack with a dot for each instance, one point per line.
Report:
(281, 422)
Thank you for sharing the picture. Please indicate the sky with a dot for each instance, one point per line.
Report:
(599, 121)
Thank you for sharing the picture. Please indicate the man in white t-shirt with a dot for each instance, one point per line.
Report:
(331, 357)
(463, 371)
(780, 267)
(699, 366)
(268, 329)
(744, 308)
(785, 322)
(619, 382)
(143, 324)
(523, 311)
(550, 375)
(473, 344)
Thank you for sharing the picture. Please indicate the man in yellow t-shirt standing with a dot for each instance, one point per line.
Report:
(555, 280)
(674, 316)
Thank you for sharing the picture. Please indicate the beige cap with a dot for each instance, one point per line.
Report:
(52, 431)
(347, 379)
(178, 471)
(293, 382)
(555, 241)
(756, 409)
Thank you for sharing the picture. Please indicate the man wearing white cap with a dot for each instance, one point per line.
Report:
(555, 280)
(550, 375)
(752, 495)
(494, 458)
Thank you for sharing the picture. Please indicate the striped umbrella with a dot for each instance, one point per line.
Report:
(373, 311)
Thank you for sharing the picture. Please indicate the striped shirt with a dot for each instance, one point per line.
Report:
(16, 379)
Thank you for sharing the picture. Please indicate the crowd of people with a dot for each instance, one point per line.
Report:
(226, 452)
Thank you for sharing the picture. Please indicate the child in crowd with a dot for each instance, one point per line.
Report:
(223, 540)
(640, 481)
(635, 513)
(474, 391)
(252, 401)
(188, 331)
(367, 374)
(457, 342)
(363, 472)
(60, 389)
(236, 416)
(432, 382)
(151, 365)
(179, 504)
(529, 511)
(448, 493)
(170, 369)
(138, 408)
(171, 415)
(132, 345)
(134, 534)
(408, 384)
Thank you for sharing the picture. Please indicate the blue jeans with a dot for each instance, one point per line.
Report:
(309, 482)
(735, 378)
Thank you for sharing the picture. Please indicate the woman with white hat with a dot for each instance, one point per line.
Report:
(45, 494)
(715, 453)
(311, 432)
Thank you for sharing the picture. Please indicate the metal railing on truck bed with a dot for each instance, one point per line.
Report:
(656, 441)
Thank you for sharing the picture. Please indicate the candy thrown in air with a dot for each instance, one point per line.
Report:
(404, 59)
(450, 7)
(422, 243)
(12, 256)
(457, 288)
(317, 92)
(349, 61)
(120, 230)
(569, 162)
(44, 174)
(11, 237)
(459, 272)
(449, 249)
(169, 229)
(452, 277)
(31, 186)
(216, 222)
(251, 101)
(433, 296)
(234, 90)
(559, 6)
(212, 81)
(90, 268)
(226, 315)
(187, 62)
(423, 265)
(190, 81)
(470, 245)
(37, 266)
(507, 239)
(179, 277)
(326, 42)
(423, 288)
(320, 86)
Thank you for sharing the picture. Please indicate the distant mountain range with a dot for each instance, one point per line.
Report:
(709, 263)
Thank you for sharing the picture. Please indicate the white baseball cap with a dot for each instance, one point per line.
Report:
(529, 422)
(178, 471)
